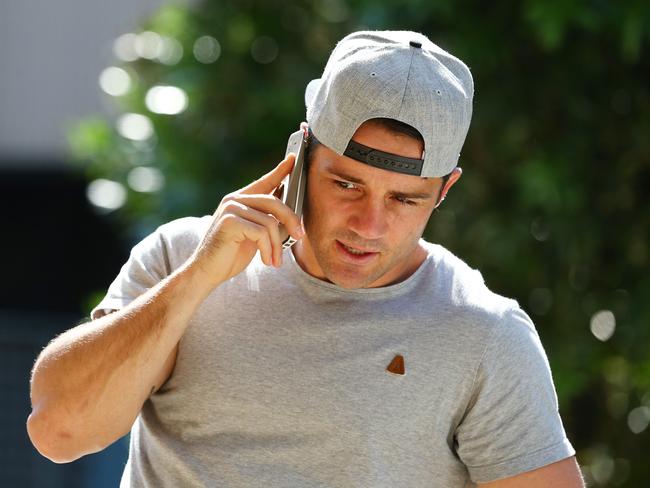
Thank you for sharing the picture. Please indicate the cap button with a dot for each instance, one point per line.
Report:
(415, 44)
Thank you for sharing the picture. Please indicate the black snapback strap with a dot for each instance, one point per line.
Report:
(383, 160)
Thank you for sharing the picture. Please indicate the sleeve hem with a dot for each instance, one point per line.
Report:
(528, 462)
(109, 304)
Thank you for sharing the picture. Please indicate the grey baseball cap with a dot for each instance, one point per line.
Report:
(399, 75)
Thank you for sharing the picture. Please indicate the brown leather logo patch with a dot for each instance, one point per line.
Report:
(396, 366)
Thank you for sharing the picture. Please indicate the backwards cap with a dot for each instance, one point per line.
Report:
(398, 75)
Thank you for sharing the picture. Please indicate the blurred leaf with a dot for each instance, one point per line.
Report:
(88, 138)
(170, 20)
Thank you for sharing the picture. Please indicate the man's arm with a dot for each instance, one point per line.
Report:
(563, 474)
(89, 384)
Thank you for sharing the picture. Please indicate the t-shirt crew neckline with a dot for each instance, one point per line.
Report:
(390, 291)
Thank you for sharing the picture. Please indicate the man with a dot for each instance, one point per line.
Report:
(363, 356)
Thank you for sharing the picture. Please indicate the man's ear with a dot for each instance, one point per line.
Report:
(453, 178)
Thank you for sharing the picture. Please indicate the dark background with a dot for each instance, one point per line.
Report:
(56, 250)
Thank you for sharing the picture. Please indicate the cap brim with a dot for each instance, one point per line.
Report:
(311, 90)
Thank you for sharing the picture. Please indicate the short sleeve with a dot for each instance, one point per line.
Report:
(512, 424)
(147, 265)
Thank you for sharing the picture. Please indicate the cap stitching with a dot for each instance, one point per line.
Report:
(408, 78)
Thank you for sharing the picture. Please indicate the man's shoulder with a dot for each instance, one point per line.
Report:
(181, 235)
(185, 227)
(462, 290)
(462, 281)
(172, 242)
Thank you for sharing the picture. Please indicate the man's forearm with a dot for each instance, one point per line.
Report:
(89, 384)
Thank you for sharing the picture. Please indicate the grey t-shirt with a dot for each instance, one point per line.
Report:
(281, 380)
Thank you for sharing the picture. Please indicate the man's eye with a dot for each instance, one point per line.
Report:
(405, 201)
(346, 185)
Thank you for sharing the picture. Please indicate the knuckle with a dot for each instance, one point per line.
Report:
(228, 220)
(228, 198)
(231, 205)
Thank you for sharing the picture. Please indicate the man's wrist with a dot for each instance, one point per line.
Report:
(198, 278)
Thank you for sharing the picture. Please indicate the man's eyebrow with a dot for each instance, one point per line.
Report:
(345, 177)
(400, 194)
(412, 196)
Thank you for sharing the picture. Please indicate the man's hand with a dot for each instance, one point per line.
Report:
(247, 221)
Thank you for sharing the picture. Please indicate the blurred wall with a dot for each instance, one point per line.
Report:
(51, 54)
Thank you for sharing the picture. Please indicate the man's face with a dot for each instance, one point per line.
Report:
(363, 223)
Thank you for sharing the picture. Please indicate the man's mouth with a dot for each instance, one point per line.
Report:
(356, 253)
(353, 250)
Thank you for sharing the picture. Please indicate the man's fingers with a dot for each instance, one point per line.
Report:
(243, 233)
(249, 219)
(259, 235)
(265, 222)
(271, 180)
(269, 204)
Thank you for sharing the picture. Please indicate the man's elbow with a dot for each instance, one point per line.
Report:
(53, 440)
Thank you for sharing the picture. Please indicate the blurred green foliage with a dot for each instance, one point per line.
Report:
(552, 206)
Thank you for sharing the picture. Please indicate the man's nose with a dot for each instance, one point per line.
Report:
(369, 219)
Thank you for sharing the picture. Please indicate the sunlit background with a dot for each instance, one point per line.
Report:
(116, 118)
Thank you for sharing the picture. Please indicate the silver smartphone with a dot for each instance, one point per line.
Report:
(293, 185)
